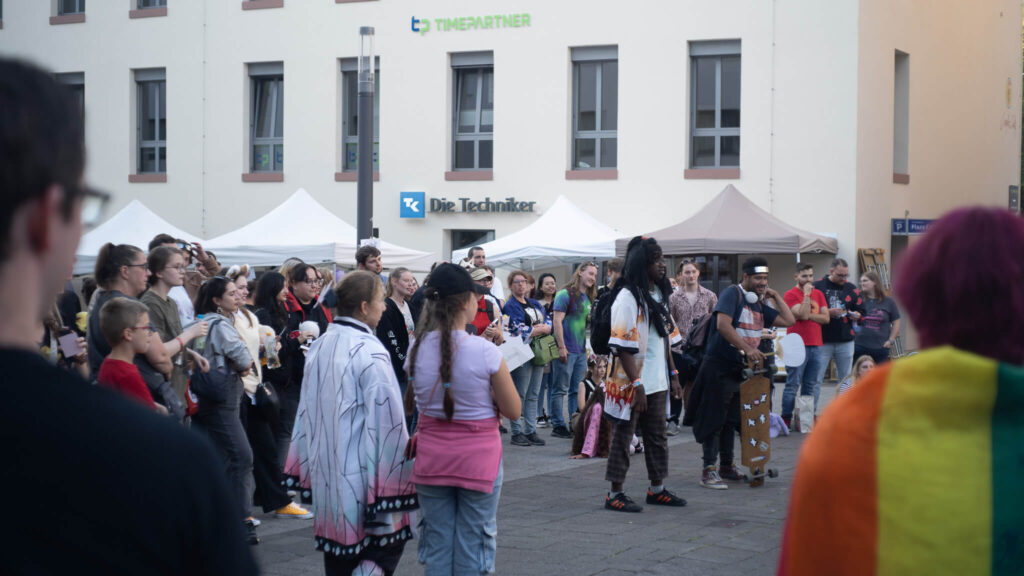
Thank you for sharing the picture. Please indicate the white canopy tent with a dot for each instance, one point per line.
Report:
(135, 224)
(564, 234)
(303, 228)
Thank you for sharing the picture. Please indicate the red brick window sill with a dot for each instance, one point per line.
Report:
(263, 177)
(148, 12)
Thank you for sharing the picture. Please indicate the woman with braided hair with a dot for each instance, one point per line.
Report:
(461, 386)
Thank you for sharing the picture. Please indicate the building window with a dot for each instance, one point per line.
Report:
(715, 104)
(350, 115)
(901, 120)
(464, 239)
(70, 7)
(595, 106)
(143, 4)
(75, 81)
(151, 86)
(473, 115)
(267, 117)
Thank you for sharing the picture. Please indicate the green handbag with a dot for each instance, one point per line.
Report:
(545, 349)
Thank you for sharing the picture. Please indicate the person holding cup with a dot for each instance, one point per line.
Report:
(167, 270)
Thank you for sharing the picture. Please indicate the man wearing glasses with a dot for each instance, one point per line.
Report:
(119, 489)
(845, 307)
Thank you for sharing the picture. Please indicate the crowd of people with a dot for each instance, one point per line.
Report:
(180, 393)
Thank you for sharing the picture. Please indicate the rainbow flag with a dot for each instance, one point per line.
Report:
(919, 469)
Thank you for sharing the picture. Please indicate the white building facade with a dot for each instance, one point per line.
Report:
(837, 117)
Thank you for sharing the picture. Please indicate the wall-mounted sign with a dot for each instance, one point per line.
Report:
(485, 206)
(465, 23)
(910, 226)
(1015, 199)
(412, 205)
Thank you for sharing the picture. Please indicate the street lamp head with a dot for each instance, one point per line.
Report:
(366, 60)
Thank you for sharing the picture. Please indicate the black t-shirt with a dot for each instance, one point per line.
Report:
(95, 342)
(115, 489)
(747, 319)
(844, 296)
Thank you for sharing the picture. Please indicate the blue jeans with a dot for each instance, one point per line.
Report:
(805, 378)
(527, 380)
(545, 387)
(842, 352)
(567, 378)
(458, 529)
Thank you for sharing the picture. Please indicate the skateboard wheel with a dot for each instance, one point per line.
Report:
(773, 473)
(747, 373)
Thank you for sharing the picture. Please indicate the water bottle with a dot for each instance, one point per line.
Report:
(200, 342)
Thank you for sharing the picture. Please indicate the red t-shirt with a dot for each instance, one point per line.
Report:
(124, 377)
(809, 330)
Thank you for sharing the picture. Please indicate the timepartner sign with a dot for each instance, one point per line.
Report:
(466, 23)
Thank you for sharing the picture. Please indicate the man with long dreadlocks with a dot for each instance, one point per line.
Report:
(641, 333)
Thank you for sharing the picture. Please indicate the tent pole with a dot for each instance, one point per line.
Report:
(797, 257)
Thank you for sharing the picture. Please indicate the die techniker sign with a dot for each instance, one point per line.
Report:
(486, 206)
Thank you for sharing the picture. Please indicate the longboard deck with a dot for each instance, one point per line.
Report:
(755, 426)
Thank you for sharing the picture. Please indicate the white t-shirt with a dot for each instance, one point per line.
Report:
(654, 373)
(186, 312)
(407, 314)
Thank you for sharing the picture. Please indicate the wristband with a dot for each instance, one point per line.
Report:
(180, 343)
(637, 382)
(674, 372)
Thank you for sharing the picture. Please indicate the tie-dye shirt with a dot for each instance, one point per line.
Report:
(574, 325)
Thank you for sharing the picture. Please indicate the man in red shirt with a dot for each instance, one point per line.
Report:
(811, 312)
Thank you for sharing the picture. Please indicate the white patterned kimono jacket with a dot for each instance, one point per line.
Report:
(348, 443)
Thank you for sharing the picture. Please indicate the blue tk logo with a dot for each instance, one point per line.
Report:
(412, 204)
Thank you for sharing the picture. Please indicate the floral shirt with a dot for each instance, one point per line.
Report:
(684, 313)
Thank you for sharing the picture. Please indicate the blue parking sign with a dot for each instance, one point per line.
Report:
(412, 204)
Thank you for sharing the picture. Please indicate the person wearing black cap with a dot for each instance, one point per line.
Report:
(714, 409)
(461, 386)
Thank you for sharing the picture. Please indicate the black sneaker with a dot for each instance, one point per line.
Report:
(561, 432)
(622, 503)
(535, 440)
(502, 429)
(250, 534)
(664, 498)
(520, 440)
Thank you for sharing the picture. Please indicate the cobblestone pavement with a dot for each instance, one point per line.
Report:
(551, 518)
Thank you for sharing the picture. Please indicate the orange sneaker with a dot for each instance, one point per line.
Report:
(293, 510)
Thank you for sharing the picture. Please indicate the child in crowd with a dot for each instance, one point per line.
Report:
(592, 433)
(125, 325)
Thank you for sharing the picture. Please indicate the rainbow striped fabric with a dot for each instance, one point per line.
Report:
(919, 469)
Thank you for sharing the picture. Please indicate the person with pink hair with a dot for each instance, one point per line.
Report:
(917, 469)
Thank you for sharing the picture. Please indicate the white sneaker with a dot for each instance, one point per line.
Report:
(672, 429)
(710, 479)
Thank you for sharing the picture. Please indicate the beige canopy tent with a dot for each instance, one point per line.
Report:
(731, 224)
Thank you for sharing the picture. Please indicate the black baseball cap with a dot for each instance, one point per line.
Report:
(448, 279)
